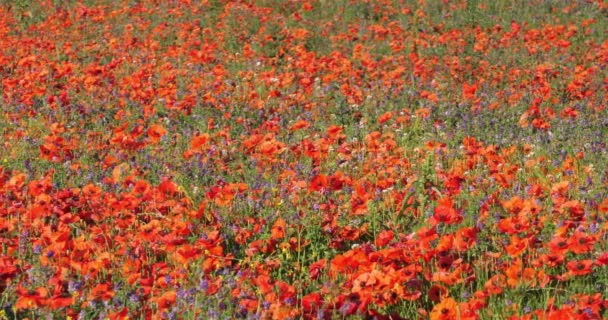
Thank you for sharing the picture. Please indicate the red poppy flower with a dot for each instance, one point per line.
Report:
(383, 238)
(581, 243)
(552, 259)
(468, 91)
(559, 245)
(590, 305)
(316, 268)
(59, 301)
(464, 239)
(580, 267)
(602, 259)
(437, 293)
(445, 212)
(312, 302)
(319, 182)
(101, 291)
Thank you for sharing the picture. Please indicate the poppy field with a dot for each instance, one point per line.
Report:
(287, 159)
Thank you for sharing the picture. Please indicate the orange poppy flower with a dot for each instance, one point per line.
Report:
(496, 284)
(123, 314)
(166, 300)
(513, 225)
(447, 309)
(31, 298)
(101, 291)
(517, 246)
(385, 117)
(468, 91)
(277, 231)
(300, 124)
(59, 301)
(565, 312)
(518, 275)
(199, 141)
(156, 132)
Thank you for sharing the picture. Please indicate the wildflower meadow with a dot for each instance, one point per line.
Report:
(295, 159)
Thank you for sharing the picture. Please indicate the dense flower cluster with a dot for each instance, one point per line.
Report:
(303, 159)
